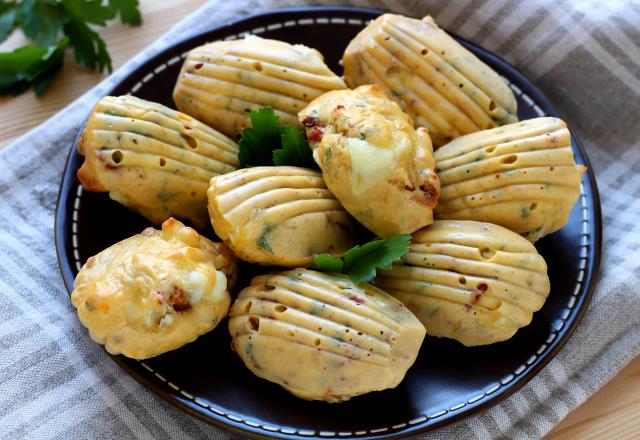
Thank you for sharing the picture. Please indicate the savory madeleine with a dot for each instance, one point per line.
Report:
(282, 216)
(221, 82)
(440, 84)
(474, 282)
(373, 159)
(521, 176)
(322, 337)
(155, 291)
(152, 159)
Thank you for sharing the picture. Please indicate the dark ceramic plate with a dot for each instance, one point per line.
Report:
(447, 382)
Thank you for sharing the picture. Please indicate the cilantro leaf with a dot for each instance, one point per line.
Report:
(7, 6)
(90, 11)
(128, 10)
(42, 82)
(30, 65)
(41, 20)
(295, 149)
(327, 263)
(267, 142)
(361, 262)
(8, 19)
(258, 141)
(88, 47)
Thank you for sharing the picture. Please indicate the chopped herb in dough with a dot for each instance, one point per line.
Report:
(263, 242)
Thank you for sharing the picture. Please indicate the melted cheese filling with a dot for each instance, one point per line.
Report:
(197, 285)
(219, 290)
(369, 164)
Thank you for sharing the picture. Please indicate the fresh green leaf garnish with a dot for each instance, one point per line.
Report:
(88, 48)
(361, 262)
(90, 11)
(42, 84)
(30, 65)
(43, 21)
(328, 263)
(128, 10)
(8, 19)
(258, 141)
(295, 149)
(267, 142)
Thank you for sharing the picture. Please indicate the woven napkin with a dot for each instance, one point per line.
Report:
(56, 383)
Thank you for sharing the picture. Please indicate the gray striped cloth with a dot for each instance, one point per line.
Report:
(585, 55)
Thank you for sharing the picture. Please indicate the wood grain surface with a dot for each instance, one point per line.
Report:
(609, 414)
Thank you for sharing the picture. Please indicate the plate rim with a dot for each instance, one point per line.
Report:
(591, 271)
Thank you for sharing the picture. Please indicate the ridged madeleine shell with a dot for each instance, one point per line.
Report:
(152, 159)
(321, 337)
(474, 282)
(521, 176)
(439, 83)
(281, 216)
(221, 82)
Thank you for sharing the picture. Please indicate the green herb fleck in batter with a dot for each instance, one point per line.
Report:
(263, 242)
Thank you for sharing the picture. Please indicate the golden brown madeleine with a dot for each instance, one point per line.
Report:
(220, 82)
(474, 282)
(438, 82)
(322, 337)
(373, 160)
(281, 216)
(155, 291)
(154, 160)
(521, 176)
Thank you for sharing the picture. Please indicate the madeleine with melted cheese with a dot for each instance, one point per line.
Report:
(152, 159)
(440, 84)
(322, 337)
(154, 292)
(373, 159)
(474, 282)
(221, 82)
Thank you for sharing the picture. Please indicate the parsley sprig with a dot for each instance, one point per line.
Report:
(361, 262)
(43, 22)
(267, 142)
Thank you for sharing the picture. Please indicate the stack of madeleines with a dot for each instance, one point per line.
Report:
(417, 129)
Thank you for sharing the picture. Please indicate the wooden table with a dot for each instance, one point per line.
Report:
(609, 414)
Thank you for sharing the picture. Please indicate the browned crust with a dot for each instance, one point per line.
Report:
(85, 173)
(82, 142)
(88, 180)
(227, 264)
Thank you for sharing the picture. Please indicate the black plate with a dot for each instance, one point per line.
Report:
(447, 382)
